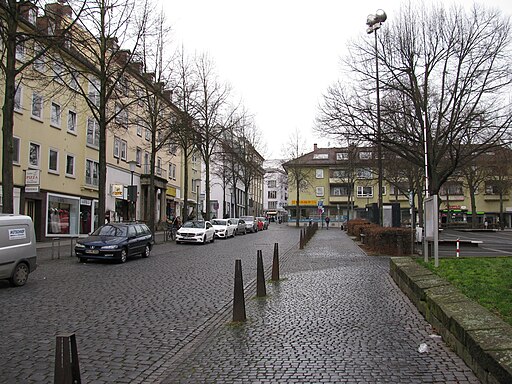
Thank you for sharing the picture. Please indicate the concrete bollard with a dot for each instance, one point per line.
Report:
(67, 370)
(238, 296)
(275, 263)
(261, 290)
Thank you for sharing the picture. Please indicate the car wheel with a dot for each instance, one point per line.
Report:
(178, 242)
(213, 238)
(82, 259)
(147, 251)
(20, 275)
(124, 256)
(204, 240)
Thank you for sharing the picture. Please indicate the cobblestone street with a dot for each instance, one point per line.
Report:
(335, 316)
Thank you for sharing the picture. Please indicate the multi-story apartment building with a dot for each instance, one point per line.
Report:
(237, 182)
(342, 183)
(56, 146)
(275, 191)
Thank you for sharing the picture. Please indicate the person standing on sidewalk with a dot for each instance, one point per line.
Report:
(327, 221)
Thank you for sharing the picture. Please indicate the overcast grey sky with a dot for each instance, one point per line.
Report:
(278, 55)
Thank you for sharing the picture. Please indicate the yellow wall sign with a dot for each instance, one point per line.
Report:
(305, 202)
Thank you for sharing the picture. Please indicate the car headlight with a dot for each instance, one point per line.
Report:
(199, 233)
(115, 246)
(79, 246)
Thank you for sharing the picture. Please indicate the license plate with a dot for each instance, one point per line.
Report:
(92, 251)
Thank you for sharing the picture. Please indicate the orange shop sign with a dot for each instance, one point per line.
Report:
(305, 202)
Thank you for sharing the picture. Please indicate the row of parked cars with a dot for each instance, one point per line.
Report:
(119, 241)
(199, 231)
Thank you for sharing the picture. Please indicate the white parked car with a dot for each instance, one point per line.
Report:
(223, 228)
(196, 231)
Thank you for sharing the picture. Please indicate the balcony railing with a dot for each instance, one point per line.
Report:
(159, 171)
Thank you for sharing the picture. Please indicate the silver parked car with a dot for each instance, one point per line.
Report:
(240, 226)
(251, 224)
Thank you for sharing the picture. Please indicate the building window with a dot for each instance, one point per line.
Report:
(20, 49)
(340, 191)
(94, 91)
(340, 173)
(319, 191)
(272, 194)
(70, 165)
(271, 183)
(159, 166)
(72, 121)
(364, 174)
(364, 191)
(117, 145)
(491, 189)
(365, 155)
(121, 115)
(91, 173)
(124, 150)
(34, 155)
(55, 115)
(321, 156)
(139, 126)
(18, 97)
(73, 80)
(148, 134)
(53, 160)
(16, 150)
(93, 132)
(37, 106)
(38, 58)
(319, 174)
(451, 189)
(272, 205)
(138, 156)
(342, 156)
(173, 149)
(57, 72)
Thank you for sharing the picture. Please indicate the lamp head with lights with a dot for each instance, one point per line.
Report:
(374, 21)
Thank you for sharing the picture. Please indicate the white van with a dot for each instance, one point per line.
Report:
(17, 248)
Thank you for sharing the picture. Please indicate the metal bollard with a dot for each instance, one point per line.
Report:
(56, 239)
(261, 290)
(67, 370)
(239, 299)
(275, 263)
(301, 241)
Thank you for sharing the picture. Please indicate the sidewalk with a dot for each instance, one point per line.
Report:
(336, 316)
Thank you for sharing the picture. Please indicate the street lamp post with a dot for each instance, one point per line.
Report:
(374, 22)
(132, 192)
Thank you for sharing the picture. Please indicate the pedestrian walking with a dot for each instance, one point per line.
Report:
(327, 221)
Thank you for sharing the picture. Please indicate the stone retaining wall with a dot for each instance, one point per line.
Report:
(481, 339)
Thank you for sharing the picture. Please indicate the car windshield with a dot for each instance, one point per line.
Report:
(110, 230)
(219, 222)
(194, 224)
(247, 218)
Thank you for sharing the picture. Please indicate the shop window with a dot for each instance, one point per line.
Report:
(63, 215)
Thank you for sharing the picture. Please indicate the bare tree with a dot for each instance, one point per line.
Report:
(159, 115)
(26, 36)
(499, 178)
(212, 113)
(105, 26)
(473, 175)
(185, 86)
(443, 75)
(298, 175)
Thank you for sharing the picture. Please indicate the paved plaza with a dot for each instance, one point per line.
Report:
(335, 317)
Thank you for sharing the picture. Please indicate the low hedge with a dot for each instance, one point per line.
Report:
(383, 240)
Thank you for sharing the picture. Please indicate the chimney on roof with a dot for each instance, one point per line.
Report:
(315, 147)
